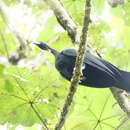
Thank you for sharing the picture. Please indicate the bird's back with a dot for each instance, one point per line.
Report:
(98, 73)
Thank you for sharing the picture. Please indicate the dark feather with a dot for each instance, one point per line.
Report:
(96, 72)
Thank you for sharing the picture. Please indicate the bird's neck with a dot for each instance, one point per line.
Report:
(54, 52)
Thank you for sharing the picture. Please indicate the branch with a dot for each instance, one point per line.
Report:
(5, 17)
(21, 52)
(60, 13)
(63, 18)
(122, 99)
(77, 70)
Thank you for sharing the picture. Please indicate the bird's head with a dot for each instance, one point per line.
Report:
(42, 45)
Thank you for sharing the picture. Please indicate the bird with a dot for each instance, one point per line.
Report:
(96, 72)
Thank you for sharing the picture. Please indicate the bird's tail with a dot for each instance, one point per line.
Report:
(124, 82)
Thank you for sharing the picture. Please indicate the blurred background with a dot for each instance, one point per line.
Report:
(30, 86)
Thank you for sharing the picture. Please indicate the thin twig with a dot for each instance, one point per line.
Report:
(77, 70)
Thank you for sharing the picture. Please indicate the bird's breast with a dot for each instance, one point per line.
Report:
(65, 66)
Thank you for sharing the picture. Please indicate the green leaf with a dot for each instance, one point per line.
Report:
(1, 68)
(8, 86)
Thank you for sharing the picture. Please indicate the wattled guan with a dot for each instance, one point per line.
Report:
(96, 72)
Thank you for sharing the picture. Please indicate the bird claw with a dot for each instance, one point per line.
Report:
(82, 78)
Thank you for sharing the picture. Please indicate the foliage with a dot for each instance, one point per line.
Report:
(42, 87)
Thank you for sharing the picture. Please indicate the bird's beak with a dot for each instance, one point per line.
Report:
(36, 43)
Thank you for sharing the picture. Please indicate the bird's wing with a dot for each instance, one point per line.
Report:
(101, 65)
(95, 62)
(112, 67)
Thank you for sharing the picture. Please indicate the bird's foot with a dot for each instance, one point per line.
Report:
(82, 78)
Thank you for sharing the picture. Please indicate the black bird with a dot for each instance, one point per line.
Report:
(97, 72)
